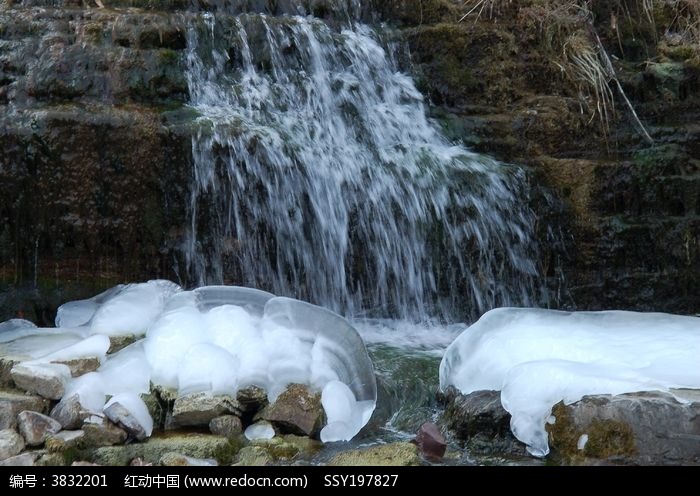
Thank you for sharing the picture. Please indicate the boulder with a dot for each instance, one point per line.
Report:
(647, 428)
(70, 413)
(99, 431)
(199, 409)
(45, 379)
(36, 427)
(252, 399)
(11, 443)
(386, 455)
(65, 440)
(296, 411)
(479, 420)
(11, 403)
(430, 441)
(226, 425)
(120, 415)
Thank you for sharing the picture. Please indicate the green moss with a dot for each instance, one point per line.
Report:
(680, 53)
(226, 453)
(166, 56)
(668, 77)
(289, 447)
(390, 455)
(660, 159)
(191, 444)
(608, 438)
(70, 455)
(253, 456)
(563, 435)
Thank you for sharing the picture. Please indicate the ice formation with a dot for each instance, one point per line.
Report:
(214, 339)
(260, 430)
(537, 358)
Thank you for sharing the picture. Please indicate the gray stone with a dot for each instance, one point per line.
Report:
(36, 427)
(65, 440)
(45, 379)
(99, 431)
(479, 420)
(180, 460)
(11, 443)
(84, 464)
(200, 408)
(70, 413)
(252, 399)
(81, 366)
(13, 402)
(121, 416)
(648, 428)
(226, 425)
(386, 455)
(296, 411)
(21, 460)
(430, 441)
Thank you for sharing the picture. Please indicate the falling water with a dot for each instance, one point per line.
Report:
(317, 174)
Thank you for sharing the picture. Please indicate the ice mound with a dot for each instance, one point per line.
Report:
(216, 339)
(537, 358)
(219, 339)
(123, 309)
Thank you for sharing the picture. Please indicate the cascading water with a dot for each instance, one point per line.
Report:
(318, 175)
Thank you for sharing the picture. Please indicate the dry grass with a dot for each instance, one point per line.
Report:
(567, 32)
(686, 19)
(477, 8)
(584, 67)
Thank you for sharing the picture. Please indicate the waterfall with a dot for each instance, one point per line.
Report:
(318, 175)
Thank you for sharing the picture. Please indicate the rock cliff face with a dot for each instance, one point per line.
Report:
(94, 149)
(95, 138)
(505, 80)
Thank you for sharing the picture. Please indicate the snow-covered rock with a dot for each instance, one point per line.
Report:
(537, 358)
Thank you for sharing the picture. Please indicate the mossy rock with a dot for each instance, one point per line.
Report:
(289, 447)
(401, 454)
(193, 445)
(607, 438)
(253, 456)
